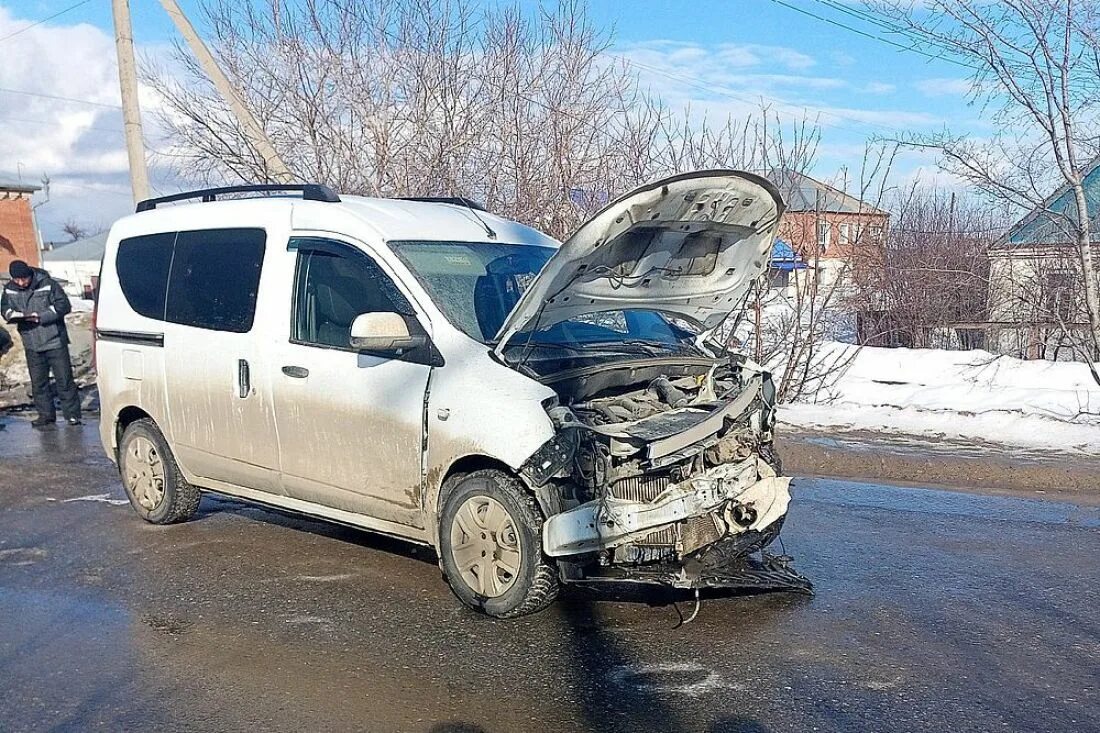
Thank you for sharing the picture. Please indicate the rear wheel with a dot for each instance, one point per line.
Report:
(490, 546)
(153, 482)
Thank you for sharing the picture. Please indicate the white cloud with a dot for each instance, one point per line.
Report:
(878, 87)
(932, 176)
(77, 142)
(734, 80)
(944, 87)
(725, 56)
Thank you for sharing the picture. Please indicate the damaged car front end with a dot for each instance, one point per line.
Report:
(662, 468)
(674, 482)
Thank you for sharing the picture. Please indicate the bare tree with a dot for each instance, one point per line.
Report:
(75, 230)
(530, 116)
(1035, 66)
(788, 328)
(444, 97)
(930, 290)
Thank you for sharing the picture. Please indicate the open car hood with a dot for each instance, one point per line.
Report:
(690, 245)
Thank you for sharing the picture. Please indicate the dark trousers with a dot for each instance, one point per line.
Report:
(40, 364)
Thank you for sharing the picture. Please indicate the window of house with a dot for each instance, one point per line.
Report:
(845, 233)
(823, 235)
(333, 285)
(214, 279)
(1058, 301)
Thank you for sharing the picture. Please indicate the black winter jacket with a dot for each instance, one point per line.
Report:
(44, 297)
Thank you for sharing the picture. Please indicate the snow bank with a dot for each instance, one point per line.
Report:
(973, 395)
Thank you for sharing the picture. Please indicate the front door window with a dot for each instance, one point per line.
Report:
(332, 289)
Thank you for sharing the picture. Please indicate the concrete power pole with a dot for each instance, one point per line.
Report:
(131, 112)
(273, 164)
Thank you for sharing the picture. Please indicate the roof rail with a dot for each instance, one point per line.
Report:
(309, 191)
(455, 200)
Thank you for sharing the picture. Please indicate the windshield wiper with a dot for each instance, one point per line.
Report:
(644, 343)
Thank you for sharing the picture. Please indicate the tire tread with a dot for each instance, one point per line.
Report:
(544, 585)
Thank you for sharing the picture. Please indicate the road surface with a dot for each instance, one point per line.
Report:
(935, 611)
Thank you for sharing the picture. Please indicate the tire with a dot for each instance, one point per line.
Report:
(146, 463)
(471, 524)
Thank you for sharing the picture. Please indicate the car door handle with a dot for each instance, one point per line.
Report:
(244, 379)
(296, 371)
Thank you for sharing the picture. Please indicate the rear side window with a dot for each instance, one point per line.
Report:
(214, 279)
(142, 265)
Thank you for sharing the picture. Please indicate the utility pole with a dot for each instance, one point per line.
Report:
(131, 112)
(274, 166)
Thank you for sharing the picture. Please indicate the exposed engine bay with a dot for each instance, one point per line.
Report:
(664, 471)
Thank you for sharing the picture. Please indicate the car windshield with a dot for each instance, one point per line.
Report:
(476, 285)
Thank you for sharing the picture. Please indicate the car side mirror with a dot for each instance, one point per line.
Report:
(389, 334)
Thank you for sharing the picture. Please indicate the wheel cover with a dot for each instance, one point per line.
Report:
(143, 472)
(485, 546)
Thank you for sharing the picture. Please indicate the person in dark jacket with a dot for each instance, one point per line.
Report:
(37, 305)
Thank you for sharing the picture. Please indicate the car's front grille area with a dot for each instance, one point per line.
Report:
(661, 538)
(699, 532)
(689, 535)
(646, 488)
(643, 488)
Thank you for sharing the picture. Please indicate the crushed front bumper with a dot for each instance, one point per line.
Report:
(746, 499)
(609, 522)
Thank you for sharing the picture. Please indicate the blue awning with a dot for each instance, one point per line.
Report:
(784, 257)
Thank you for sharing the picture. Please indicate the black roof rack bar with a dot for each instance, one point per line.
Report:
(309, 191)
(456, 200)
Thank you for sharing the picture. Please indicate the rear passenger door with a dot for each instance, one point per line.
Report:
(350, 425)
(221, 414)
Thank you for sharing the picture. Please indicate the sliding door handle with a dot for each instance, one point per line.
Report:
(244, 379)
(296, 371)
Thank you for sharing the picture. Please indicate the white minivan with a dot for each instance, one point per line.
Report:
(537, 413)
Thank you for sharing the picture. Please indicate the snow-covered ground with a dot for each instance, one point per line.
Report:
(972, 395)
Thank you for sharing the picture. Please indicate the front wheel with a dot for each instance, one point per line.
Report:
(490, 546)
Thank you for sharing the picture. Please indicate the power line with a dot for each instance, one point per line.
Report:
(60, 98)
(888, 26)
(58, 123)
(26, 28)
(872, 36)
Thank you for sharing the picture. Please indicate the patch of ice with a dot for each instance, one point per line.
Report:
(324, 578)
(683, 678)
(105, 498)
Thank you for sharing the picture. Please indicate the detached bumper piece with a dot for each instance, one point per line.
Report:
(736, 563)
(726, 564)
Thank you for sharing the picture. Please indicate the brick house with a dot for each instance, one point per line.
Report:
(18, 233)
(832, 231)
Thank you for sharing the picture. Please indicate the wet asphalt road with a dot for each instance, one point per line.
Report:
(935, 611)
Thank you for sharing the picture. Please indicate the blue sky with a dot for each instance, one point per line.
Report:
(720, 57)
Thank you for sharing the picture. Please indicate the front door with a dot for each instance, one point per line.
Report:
(350, 425)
